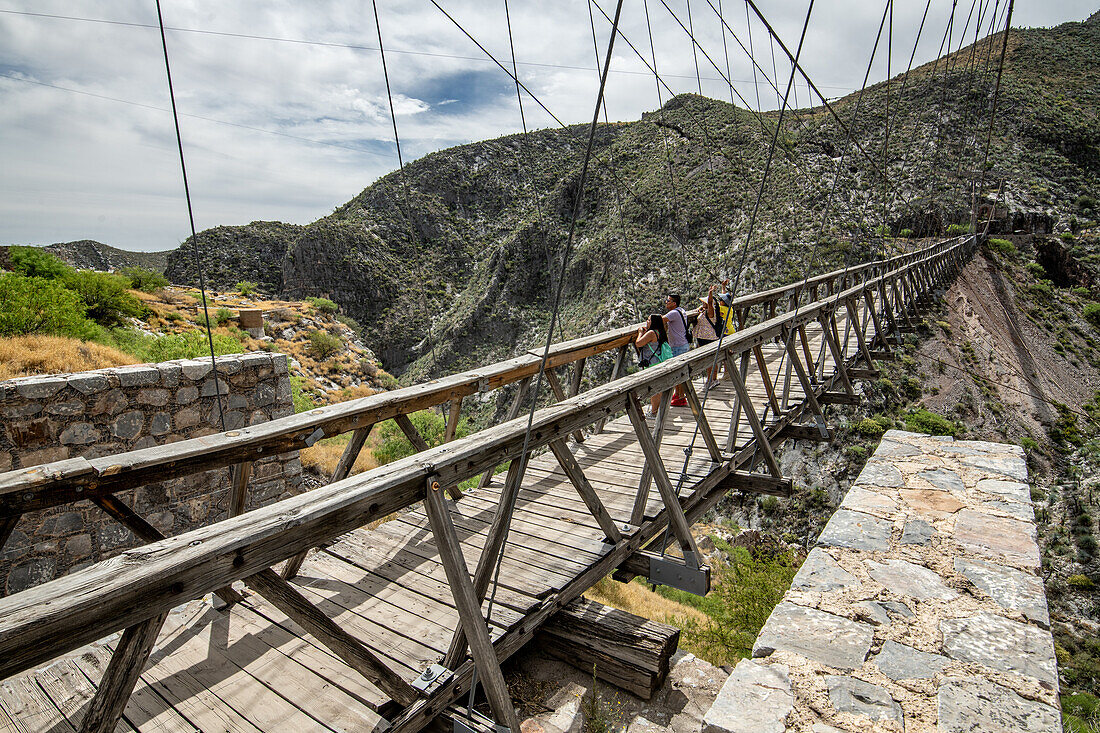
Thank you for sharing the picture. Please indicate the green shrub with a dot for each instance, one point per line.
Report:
(1044, 289)
(186, 345)
(868, 428)
(393, 445)
(1036, 270)
(323, 344)
(954, 230)
(1030, 445)
(246, 287)
(1065, 429)
(1003, 247)
(923, 421)
(106, 296)
(1091, 314)
(351, 323)
(173, 317)
(34, 262)
(1080, 711)
(1081, 292)
(1081, 582)
(223, 316)
(769, 505)
(303, 402)
(323, 304)
(145, 280)
(39, 305)
(905, 233)
(1066, 236)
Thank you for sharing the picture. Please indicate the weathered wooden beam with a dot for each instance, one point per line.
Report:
(829, 335)
(421, 445)
(701, 420)
(838, 398)
(864, 374)
(123, 671)
(806, 432)
(342, 470)
(238, 476)
(7, 526)
(616, 370)
(680, 527)
(884, 356)
(469, 608)
(513, 413)
(757, 483)
(642, 497)
(454, 413)
(762, 443)
(803, 379)
(297, 607)
(769, 388)
(559, 394)
(880, 333)
(861, 339)
(572, 469)
(627, 651)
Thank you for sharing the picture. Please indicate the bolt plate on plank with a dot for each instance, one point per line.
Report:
(431, 677)
(676, 574)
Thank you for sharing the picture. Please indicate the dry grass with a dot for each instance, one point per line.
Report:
(322, 457)
(24, 356)
(641, 601)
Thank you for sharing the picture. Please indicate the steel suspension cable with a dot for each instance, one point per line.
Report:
(191, 220)
(993, 111)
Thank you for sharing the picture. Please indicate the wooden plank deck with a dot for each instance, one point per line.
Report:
(252, 669)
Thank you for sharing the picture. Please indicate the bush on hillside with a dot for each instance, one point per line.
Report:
(323, 344)
(954, 230)
(105, 296)
(1091, 314)
(223, 316)
(1003, 247)
(33, 262)
(245, 287)
(144, 279)
(323, 304)
(186, 345)
(923, 421)
(38, 305)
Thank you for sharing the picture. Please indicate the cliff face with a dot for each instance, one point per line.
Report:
(87, 254)
(454, 262)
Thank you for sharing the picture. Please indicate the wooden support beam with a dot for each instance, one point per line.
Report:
(884, 356)
(701, 419)
(805, 432)
(838, 398)
(7, 526)
(239, 475)
(880, 333)
(761, 364)
(297, 607)
(757, 483)
(578, 373)
(568, 463)
(146, 532)
(419, 444)
(341, 472)
(804, 379)
(735, 414)
(829, 335)
(627, 651)
(680, 527)
(513, 413)
(642, 498)
(620, 360)
(865, 374)
(559, 394)
(126, 665)
(469, 608)
(454, 413)
(762, 443)
(490, 552)
(861, 339)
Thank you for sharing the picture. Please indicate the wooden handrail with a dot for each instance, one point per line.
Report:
(42, 622)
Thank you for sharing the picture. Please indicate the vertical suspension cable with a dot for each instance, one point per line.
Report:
(695, 56)
(752, 55)
(191, 220)
(993, 111)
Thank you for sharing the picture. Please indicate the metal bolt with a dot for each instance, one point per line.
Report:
(435, 486)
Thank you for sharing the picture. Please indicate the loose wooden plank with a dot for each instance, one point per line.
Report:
(71, 692)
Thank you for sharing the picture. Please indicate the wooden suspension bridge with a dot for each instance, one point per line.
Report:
(385, 628)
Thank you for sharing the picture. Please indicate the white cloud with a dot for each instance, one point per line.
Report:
(277, 129)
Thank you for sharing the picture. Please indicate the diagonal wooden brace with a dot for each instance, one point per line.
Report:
(123, 671)
(838, 357)
(568, 463)
(642, 497)
(513, 412)
(420, 445)
(680, 527)
(469, 608)
(807, 386)
(762, 443)
(701, 418)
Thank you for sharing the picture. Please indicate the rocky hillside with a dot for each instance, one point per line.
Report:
(87, 254)
(452, 263)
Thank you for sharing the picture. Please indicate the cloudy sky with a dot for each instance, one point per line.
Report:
(283, 104)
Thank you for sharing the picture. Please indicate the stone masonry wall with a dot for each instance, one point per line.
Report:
(920, 609)
(107, 411)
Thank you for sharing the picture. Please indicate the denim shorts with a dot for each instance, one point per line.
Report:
(677, 350)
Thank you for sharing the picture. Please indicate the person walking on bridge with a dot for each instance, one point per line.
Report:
(676, 325)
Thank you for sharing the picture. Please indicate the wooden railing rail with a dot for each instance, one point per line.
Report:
(40, 623)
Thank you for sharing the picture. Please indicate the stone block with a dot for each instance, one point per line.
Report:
(228, 365)
(88, 383)
(1014, 509)
(24, 409)
(874, 612)
(38, 388)
(128, 425)
(44, 455)
(869, 501)
(186, 395)
(263, 395)
(213, 388)
(756, 698)
(943, 479)
(917, 532)
(821, 573)
(31, 573)
(880, 473)
(888, 448)
(1012, 466)
(111, 402)
(819, 636)
(856, 531)
(282, 389)
(29, 433)
(900, 662)
(904, 578)
(61, 524)
(6, 462)
(113, 536)
(142, 375)
(282, 412)
(154, 396)
(195, 369)
(966, 704)
(78, 547)
(1012, 589)
(856, 697)
(66, 409)
(1002, 645)
(81, 433)
(160, 423)
(238, 402)
(931, 503)
(1012, 490)
(170, 374)
(997, 537)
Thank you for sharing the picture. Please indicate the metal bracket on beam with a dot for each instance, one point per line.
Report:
(431, 678)
(687, 576)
